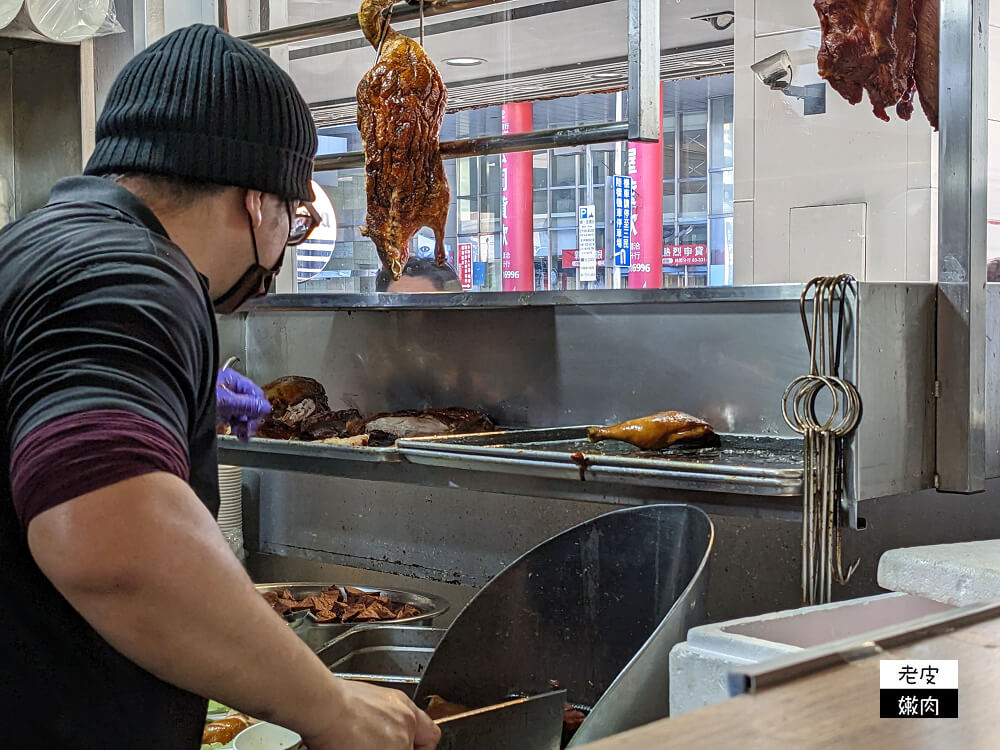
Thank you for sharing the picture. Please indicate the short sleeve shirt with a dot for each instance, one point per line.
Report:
(99, 310)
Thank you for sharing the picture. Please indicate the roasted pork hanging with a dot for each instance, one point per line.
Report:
(884, 47)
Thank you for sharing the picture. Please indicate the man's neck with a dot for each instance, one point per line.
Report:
(198, 228)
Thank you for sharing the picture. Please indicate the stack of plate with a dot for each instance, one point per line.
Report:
(231, 506)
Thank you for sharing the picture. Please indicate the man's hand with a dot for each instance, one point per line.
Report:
(240, 403)
(366, 717)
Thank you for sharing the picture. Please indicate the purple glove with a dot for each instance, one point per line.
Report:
(240, 403)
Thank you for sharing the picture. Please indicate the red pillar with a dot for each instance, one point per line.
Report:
(516, 242)
(645, 165)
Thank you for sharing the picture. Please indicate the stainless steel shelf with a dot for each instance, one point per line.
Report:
(768, 496)
(501, 300)
(745, 464)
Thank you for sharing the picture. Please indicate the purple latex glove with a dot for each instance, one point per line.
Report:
(240, 403)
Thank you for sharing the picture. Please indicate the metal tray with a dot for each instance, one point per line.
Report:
(262, 451)
(745, 464)
(388, 655)
(318, 634)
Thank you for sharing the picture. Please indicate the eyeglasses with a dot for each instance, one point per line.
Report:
(301, 223)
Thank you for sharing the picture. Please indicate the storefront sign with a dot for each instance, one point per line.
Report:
(685, 255)
(465, 264)
(621, 196)
(571, 258)
(479, 274)
(588, 244)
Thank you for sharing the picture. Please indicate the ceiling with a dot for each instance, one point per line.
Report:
(531, 50)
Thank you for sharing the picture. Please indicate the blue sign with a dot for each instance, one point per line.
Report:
(621, 192)
(478, 274)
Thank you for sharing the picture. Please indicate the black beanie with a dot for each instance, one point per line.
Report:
(204, 105)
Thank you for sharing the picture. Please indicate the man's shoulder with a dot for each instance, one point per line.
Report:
(65, 240)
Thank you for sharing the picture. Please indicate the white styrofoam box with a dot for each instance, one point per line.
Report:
(826, 240)
(778, 16)
(744, 82)
(846, 155)
(958, 574)
(744, 272)
(919, 237)
(700, 666)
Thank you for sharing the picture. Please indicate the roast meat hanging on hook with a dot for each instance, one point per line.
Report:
(401, 104)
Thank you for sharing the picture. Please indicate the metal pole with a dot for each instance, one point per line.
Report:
(644, 70)
(961, 311)
(499, 144)
(401, 12)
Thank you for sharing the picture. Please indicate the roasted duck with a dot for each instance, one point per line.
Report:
(401, 103)
(300, 410)
(885, 47)
(658, 431)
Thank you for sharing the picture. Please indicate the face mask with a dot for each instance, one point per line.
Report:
(249, 284)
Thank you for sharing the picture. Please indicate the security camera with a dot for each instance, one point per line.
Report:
(775, 71)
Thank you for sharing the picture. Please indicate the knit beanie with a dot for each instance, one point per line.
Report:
(204, 105)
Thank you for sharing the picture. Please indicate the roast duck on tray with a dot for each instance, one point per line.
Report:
(659, 431)
(300, 410)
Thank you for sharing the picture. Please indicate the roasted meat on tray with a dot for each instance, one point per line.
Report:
(336, 605)
(659, 431)
(300, 410)
(401, 103)
(885, 47)
(454, 420)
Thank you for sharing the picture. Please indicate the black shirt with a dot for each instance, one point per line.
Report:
(98, 310)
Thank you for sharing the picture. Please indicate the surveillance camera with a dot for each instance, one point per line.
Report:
(775, 71)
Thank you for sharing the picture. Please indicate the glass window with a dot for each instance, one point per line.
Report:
(564, 170)
(467, 172)
(564, 202)
(721, 109)
(468, 215)
(697, 184)
(563, 239)
(603, 164)
(722, 192)
(668, 155)
(693, 145)
(489, 213)
(491, 174)
(599, 205)
(691, 233)
(669, 201)
(694, 198)
(540, 169)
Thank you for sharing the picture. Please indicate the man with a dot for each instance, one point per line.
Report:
(419, 275)
(122, 606)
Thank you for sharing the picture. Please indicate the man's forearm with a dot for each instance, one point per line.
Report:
(144, 563)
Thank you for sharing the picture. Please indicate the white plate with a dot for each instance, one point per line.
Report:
(265, 737)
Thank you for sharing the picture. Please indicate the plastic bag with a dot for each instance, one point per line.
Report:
(66, 21)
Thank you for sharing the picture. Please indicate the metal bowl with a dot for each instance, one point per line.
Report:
(318, 634)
